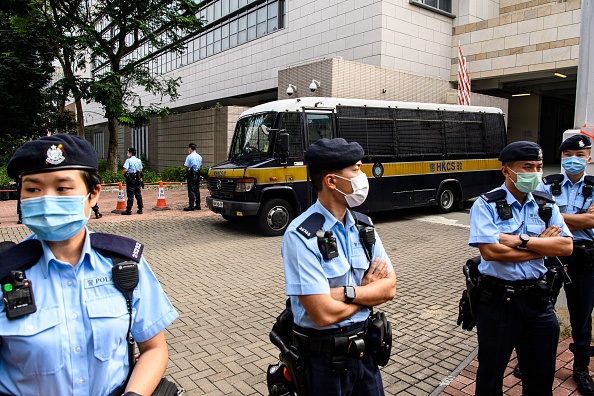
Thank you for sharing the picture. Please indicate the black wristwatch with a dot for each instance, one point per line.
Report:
(524, 238)
(349, 294)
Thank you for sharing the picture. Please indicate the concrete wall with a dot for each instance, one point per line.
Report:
(474, 11)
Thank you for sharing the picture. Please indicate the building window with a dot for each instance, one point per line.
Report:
(439, 5)
(140, 141)
(99, 144)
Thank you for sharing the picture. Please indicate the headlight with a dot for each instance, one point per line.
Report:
(244, 185)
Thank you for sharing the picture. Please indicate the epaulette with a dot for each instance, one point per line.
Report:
(21, 256)
(543, 195)
(550, 179)
(312, 224)
(363, 219)
(494, 195)
(589, 180)
(127, 248)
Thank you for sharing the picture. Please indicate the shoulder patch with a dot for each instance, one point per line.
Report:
(544, 196)
(556, 177)
(589, 180)
(21, 256)
(122, 246)
(494, 195)
(310, 225)
(361, 218)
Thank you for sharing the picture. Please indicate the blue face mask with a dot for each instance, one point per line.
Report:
(54, 218)
(573, 165)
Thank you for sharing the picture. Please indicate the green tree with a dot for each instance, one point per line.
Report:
(28, 102)
(109, 32)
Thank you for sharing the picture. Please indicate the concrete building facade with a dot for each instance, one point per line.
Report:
(250, 51)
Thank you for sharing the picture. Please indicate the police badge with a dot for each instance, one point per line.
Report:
(54, 155)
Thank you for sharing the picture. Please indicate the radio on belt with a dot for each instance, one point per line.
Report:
(17, 293)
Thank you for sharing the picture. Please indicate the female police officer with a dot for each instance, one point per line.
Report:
(514, 308)
(330, 288)
(74, 343)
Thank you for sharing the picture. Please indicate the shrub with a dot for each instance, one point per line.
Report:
(150, 176)
(5, 180)
(112, 177)
(174, 174)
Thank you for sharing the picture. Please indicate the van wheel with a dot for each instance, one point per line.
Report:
(274, 217)
(446, 201)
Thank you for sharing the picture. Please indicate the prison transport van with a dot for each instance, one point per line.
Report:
(416, 154)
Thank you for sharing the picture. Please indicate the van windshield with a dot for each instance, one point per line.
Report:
(250, 140)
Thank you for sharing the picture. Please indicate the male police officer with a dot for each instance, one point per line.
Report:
(573, 191)
(514, 308)
(329, 278)
(133, 173)
(192, 166)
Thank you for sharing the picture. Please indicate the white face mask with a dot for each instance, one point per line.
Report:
(360, 186)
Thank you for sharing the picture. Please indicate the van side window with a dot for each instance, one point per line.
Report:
(319, 126)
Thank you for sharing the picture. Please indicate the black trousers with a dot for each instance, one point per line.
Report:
(193, 189)
(133, 190)
(503, 325)
(580, 302)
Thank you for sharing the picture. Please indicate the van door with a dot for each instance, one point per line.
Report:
(318, 126)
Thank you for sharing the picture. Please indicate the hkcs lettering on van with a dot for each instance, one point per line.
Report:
(446, 166)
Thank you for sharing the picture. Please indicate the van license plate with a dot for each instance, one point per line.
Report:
(217, 204)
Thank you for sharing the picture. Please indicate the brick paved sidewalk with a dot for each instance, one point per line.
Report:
(463, 383)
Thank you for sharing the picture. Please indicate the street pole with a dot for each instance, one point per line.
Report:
(584, 98)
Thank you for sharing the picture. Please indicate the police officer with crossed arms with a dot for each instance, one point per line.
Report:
(70, 338)
(514, 308)
(331, 293)
(573, 192)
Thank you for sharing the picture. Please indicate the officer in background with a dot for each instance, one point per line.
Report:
(133, 173)
(573, 192)
(514, 308)
(192, 166)
(74, 341)
(331, 293)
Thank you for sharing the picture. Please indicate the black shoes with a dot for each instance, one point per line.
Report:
(98, 215)
(127, 213)
(139, 211)
(517, 372)
(581, 375)
(189, 209)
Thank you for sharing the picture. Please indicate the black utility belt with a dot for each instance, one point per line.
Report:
(582, 258)
(329, 341)
(500, 288)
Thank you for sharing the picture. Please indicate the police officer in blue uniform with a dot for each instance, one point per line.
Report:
(133, 173)
(514, 309)
(573, 192)
(66, 334)
(331, 282)
(192, 167)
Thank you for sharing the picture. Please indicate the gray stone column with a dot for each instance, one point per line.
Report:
(584, 98)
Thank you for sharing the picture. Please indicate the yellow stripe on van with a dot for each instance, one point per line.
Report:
(390, 169)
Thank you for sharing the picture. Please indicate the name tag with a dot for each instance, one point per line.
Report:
(100, 281)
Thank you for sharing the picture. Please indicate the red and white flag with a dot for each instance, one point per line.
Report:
(463, 80)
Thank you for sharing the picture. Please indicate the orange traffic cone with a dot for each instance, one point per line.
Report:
(121, 204)
(161, 204)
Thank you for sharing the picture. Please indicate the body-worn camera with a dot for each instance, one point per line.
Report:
(328, 246)
(17, 292)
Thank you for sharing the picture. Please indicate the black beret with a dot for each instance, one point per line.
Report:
(576, 142)
(522, 150)
(52, 153)
(333, 154)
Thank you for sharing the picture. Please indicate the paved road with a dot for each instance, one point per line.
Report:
(226, 281)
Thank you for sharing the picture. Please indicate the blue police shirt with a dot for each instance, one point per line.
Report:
(133, 165)
(485, 226)
(193, 161)
(571, 201)
(75, 344)
(306, 272)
